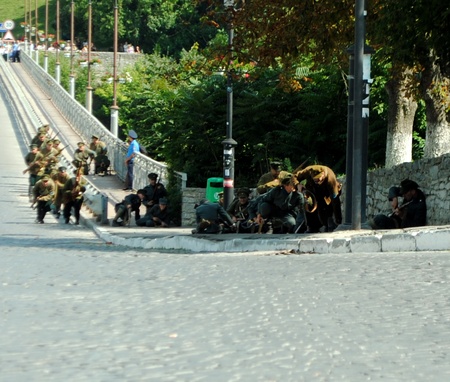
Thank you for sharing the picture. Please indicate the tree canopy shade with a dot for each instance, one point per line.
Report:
(164, 25)
(268, 31)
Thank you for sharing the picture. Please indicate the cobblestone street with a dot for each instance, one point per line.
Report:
(77, 309)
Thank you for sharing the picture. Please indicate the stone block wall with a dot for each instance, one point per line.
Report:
(191, 196)
(433, 177)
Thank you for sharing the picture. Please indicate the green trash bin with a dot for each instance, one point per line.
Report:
(213, 187)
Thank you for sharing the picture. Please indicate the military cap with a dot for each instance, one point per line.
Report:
(94, 137)
(62, 168)
(45, 177)
(49, 142)
(286, 179)
(152, 175)
(141, 191)
(275, 166)
(42, 135)
(33, 146)
(56, 141)
(132, 134)
(407, 185)
(80, 144)
(394, 192)
(42, 129)
(243, 193)
(163, 201)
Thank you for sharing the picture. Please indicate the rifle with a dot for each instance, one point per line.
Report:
(301, 165)
(400, 208)
(42, 160)
(75, 190)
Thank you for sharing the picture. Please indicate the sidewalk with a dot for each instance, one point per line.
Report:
(363, 241)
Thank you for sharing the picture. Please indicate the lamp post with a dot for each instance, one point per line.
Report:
(36, 37)
(89, 87)
(46, 38)
(57, 63)
(25, 25)
(350, 128)
(360, 120)
(229, 142)
(30, 28)
(72, 41)
(114, 108)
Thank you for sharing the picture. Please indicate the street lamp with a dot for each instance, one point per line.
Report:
(360, 120)
(89, 87)
(25, 24)
(57, 63)
(36, 32)
(350, 128)
(229, 142)
(114, 108)
(72, 41)
(46, 38)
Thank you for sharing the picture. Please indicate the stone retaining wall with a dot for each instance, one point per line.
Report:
(433, 177)
(191, 196)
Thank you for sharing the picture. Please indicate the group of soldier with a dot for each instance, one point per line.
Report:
(153, 197)
(51, 187)
(306, 200)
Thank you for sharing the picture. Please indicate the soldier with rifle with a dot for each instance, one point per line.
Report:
(239, 210)
(44, 192)
(81, 157)
(60, 178)
(73, 191)
(101, 160)
(33, 167)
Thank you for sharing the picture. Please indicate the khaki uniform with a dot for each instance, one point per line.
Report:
(60, 179)
(44, 193)
(269, 181)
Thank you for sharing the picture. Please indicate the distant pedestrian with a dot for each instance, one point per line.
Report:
(133, 149)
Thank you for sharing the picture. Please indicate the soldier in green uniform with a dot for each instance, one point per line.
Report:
(101, 159)
(82, 156)
(72, 193)
(44, 192)
(60, 178)
(33, 167)
(270, 179)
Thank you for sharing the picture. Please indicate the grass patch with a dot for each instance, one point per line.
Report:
(15, 10)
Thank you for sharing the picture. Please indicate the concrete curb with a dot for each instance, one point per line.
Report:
(366, 241)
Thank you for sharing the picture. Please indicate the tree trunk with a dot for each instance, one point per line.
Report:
(434, 87)
(402, 110)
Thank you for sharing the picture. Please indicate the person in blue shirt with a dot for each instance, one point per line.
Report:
(133, 149)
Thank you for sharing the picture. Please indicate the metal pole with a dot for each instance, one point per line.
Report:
(46, 38)
(358, 134)
(36, 37)
(25, 40)
(229, 142)
(349, 158)
(89, 87)
(72, 42)
(114, 108)
(57, 63)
